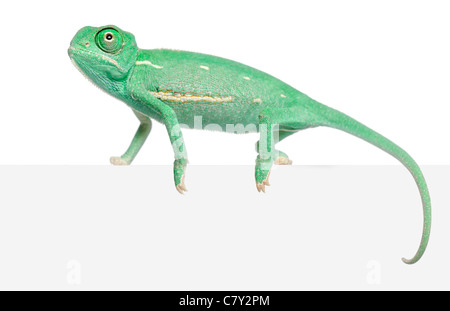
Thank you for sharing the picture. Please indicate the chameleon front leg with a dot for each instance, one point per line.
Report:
(138, 140)
(150, 105)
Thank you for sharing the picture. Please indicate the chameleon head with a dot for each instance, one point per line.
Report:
(103, 54)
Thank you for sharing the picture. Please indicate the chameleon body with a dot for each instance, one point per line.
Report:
(176, 87)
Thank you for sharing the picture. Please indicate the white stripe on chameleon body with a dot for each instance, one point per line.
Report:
(204, 67)
(183, 98)
(146, 62)
(247, 78)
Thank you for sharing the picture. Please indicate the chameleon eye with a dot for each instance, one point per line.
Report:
(109, 37)
(109, 40)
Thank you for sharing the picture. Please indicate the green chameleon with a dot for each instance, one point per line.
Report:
(177, 87)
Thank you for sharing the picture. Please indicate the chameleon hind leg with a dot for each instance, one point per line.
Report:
(138, 140)
(274, 126)
(281, 157)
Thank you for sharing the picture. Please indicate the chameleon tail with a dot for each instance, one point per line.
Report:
(335, 119)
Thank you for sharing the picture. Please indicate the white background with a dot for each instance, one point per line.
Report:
(386, 63)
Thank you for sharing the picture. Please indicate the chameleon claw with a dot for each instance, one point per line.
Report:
(261, 187)
(118, 161)
(179, 189)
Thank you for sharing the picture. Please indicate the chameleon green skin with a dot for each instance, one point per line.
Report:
(174, 87)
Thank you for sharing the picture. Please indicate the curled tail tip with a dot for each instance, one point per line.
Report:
(423, 244)
(412, 260)
(408, 261)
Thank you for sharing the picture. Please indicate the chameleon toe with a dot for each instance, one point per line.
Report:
(261, 187)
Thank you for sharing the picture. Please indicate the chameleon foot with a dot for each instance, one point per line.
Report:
(179, 169)
(118, 161)
(181, 187)
(262, 186)
(262, 173)
(282, 158)
(283, 161)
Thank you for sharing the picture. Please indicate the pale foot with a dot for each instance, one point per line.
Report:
(283, 161)
(181, 187)
(118, 161)
(262, 186)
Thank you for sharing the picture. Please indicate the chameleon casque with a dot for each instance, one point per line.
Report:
(175, 87)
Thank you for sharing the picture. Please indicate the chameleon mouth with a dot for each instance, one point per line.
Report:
(81, 70)
(77, 65)
(85, 54)
(71, 51)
